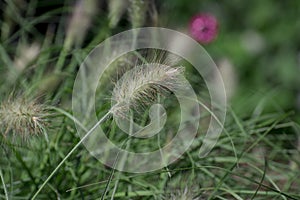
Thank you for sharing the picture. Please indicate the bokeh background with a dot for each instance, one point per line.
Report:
(257, 49)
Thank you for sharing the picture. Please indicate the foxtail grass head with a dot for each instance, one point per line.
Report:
(137, 12)
(116, 9)
(79, 22)
(22, 118)
(141, 85)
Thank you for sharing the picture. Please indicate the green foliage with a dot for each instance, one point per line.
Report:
(258, 154)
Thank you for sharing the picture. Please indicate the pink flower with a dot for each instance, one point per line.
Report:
(204, 28)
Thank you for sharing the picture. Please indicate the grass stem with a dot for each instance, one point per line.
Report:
(70, 153)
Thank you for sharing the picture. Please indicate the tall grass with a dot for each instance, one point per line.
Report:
(256, 157)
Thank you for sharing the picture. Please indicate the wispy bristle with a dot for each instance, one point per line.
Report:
(22, 118)
(142, 83)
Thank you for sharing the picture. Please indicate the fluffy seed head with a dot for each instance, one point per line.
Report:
(22, 118)
(184, 195)
(116, 9)
(137, 12)
(80, 22)
(142, 83)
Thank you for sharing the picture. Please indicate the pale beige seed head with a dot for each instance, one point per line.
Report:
(137, 12)
(142, 83)
(22, 118)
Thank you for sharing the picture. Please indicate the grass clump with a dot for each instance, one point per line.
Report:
(256, 157)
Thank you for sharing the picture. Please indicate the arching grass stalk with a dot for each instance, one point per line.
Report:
(134, 88)
(71, 152)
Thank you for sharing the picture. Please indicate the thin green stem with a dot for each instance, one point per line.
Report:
(70, 153)
(3, 183)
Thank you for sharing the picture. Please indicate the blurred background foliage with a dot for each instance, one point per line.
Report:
(261, 40)
(257, 49)
(258, 38)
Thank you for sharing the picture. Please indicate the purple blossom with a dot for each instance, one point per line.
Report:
(204, 28)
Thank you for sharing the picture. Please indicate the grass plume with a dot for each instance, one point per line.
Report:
(141, 85)
(23, 118)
